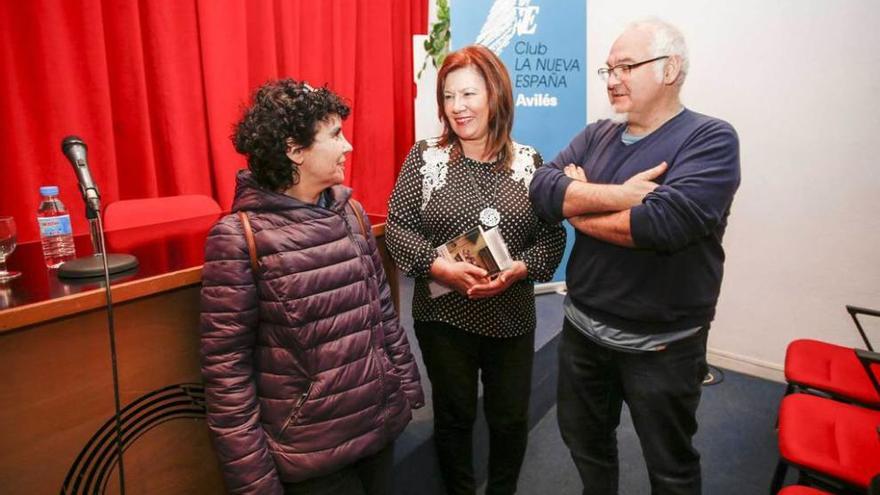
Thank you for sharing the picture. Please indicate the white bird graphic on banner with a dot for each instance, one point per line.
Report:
(500, 26)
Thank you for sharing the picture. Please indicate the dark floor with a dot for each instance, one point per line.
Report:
(736, 439)
(736, 436)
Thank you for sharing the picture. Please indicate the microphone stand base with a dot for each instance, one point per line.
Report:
(93, 266)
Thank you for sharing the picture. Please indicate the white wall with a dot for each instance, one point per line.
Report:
(426, 121)
(800, 81)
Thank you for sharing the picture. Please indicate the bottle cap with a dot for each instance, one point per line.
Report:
(49, 190)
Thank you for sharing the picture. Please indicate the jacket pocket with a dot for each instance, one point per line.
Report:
(294, 413)
(394, 378)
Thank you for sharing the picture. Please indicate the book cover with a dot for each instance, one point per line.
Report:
(483, 248)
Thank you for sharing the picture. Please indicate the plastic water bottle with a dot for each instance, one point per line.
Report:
(55, 229)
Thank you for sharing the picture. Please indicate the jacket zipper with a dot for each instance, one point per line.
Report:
(373, 352)
(294, 414)
(360, 255)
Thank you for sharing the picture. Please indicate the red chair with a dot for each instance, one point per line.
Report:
(874, 489)
(130, 213)
(161, 232)
(831, 443)
(842, 373)
(801, 490)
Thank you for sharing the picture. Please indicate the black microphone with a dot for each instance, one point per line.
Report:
(75, 150)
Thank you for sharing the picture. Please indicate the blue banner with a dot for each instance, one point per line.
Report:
(543, 45)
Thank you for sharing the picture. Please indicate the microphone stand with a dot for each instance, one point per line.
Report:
(102, 264)
(98, 228)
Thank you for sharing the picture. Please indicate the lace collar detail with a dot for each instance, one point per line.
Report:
(523, 166)
(434, 170)
(436, 165)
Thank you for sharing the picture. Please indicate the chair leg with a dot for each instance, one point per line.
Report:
(790, 388)
(778, 477)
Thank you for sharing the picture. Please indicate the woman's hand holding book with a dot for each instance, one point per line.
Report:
(458, 275)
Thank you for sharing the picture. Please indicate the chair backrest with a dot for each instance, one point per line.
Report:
(854, 311)
(131, 213)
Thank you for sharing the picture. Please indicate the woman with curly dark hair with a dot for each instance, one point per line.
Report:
(308, 374)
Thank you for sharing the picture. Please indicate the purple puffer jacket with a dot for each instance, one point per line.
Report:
(308, 370)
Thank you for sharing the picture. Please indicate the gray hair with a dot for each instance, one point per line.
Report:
(667, 40)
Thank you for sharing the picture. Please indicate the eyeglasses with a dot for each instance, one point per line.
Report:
(622, 70)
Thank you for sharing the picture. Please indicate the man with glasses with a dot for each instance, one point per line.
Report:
(645, 273)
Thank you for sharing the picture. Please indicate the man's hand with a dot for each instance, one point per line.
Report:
(639, 185)
(614, 227)
(577, 173)
(459, 275)
(583, 197)
(502, 282)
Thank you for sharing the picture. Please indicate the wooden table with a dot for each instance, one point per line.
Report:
(56, 399)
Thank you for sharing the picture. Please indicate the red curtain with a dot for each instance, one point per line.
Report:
(155, 87)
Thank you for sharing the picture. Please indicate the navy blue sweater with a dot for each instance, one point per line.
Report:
(671, 279)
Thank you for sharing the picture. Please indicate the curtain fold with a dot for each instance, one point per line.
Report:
(154, 89)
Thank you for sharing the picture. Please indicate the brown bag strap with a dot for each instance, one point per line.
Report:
(249, 237)
(356, 208)
(249, 233)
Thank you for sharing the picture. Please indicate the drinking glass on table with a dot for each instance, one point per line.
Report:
(7, 246)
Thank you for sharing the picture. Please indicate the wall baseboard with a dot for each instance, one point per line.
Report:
(746, 365)
(550, 287)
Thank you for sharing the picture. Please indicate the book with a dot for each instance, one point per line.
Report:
(483, 248)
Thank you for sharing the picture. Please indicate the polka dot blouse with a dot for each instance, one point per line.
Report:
(439, 195)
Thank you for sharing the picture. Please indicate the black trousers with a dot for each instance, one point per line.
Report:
(454, 359)
(662, 390)
(368, 476)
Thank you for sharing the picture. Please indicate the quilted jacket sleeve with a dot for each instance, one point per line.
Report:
(395, 336)
(229, 318)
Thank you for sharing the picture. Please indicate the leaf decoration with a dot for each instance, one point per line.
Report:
(437, 43)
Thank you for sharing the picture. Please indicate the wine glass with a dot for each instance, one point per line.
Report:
(7, 246)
